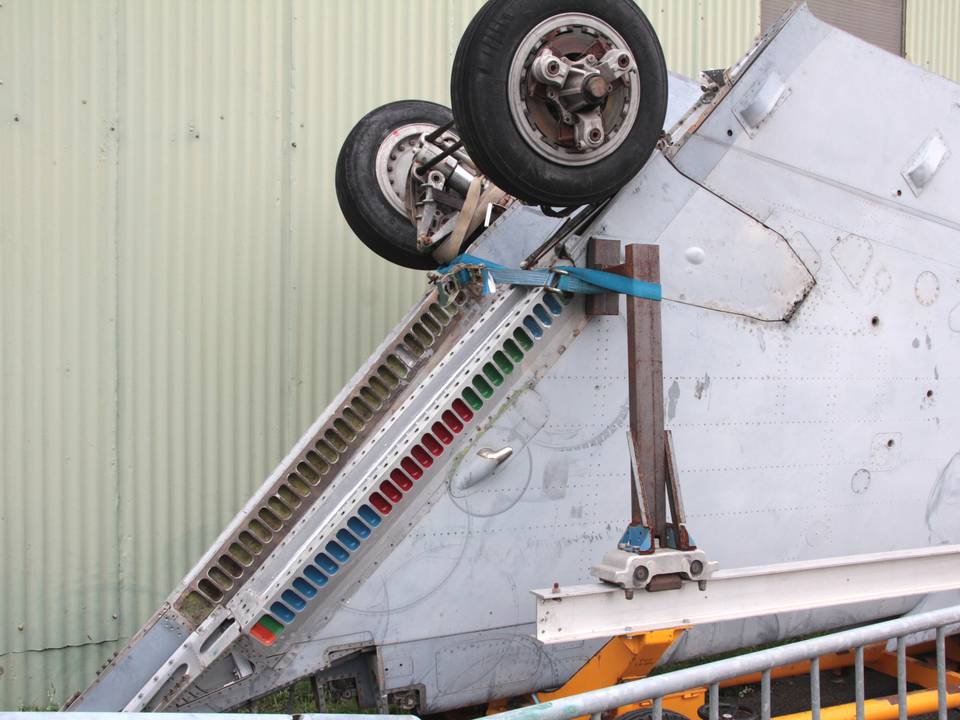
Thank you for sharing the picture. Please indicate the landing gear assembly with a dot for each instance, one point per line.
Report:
(586, 94)
(389, 196)
(555, 103)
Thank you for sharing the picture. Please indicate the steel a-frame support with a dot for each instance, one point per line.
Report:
(654, 486)
(653, 479)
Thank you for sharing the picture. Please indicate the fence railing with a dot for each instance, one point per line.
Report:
(764, 662)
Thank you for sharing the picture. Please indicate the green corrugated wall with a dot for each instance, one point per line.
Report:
(179, 296)
(933, 36)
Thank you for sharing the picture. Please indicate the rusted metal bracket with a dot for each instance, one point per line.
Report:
(676, 531)
(603, 254)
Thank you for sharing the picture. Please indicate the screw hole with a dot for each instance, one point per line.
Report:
(899, 193)
(874, 321)
(929, 393)
(729, 133)
(890, 443)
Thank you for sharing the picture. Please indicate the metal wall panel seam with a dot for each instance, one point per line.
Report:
(289, 305)
(119, 54)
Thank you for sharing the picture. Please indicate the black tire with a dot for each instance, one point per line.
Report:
(478, 90)
(727, 711)
(369, 214)
(647, 714)
(457, 97)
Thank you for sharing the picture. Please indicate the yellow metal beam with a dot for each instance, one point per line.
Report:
(625, 656)
(919, 702)
(918, 672)
(628, 657)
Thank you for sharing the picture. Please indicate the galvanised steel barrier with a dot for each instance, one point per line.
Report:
(764, 662)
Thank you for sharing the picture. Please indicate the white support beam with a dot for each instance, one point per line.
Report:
(595, 611)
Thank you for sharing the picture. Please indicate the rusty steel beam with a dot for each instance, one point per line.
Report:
(645, 376)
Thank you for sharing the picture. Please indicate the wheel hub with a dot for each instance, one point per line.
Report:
(394, 160)
(595, 89)
(574, 89)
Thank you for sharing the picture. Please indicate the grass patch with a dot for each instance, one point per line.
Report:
(296, 699)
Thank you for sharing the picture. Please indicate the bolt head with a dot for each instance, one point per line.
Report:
(640, 574)
(595, 88)
(696, 567)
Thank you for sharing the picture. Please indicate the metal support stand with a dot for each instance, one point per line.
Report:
(654, 486)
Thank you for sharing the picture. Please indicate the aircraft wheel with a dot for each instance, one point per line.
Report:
(727, 711)
(371, 178)
(559, 102)
(647, 714)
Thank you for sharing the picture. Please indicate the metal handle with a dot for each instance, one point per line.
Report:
(497, 456)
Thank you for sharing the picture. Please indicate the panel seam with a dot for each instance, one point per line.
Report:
(118, 415)
(288, 305)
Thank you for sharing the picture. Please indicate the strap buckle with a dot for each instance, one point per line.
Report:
(455, 279)
(552, 283)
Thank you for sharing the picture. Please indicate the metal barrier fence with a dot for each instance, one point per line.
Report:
(764, 662)
(199, 716)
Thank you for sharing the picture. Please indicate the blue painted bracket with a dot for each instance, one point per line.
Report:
(637, 539)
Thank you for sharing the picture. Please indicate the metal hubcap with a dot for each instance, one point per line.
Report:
(394, 160)
(425, 174)
(574, 89)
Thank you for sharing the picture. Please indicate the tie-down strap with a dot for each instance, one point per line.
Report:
(468, 269)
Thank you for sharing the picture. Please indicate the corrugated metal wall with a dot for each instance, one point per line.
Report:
(179, 296)
(59, 540)
(933, 36)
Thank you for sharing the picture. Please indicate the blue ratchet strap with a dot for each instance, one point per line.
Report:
(582, 281)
